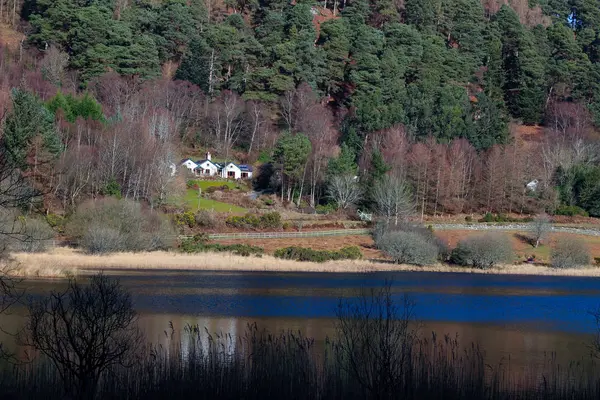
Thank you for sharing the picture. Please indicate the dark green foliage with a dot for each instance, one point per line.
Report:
(344, 163)
(199, 244)
(271, 220)
(112, 188)
(94, 40)
(580, 187)
(571, 211)
(28, 120)
(85, 107)
(308, 254)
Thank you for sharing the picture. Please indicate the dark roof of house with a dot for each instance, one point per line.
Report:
(184, 160)
(245, 168)
(199, 162)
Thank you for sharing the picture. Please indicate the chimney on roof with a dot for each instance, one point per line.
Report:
(208, 156)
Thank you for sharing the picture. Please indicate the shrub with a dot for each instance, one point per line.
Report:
(326, 208)
(483, 251)
(271, 220)
(382, 229)
(97, 225)
(55, 221)
(112, 188)
(205, 219)
(489, 217)
(186, 218)
(570, 252)
(200, 244)
(268, 201)
(35, 236)
(408, 248)
(571, 211)
(468, 218)
(308, 254)
(350, 253)
(99, 239)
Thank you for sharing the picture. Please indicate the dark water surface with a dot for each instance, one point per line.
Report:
(522, 320)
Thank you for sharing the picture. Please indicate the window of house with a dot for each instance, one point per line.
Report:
(231, 174)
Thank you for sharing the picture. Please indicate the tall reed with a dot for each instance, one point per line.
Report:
(288, 365)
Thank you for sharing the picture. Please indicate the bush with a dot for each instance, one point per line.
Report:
(326, 208)
(382, 229)
(96, 226)
(200, 244)
(112, 188)
(483, 251)
(571, 211)
(308, 254)
(408, 248)
(35, 237)
(55, 221)
(205, 219)
(186, 218)
(271, 220)
(570, 252)
(99, 239)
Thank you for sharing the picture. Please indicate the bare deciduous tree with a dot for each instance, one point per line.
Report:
(344, 190)
(539, 228)
(85, 331)
(393, 198)
(227, 121)
(53, 65)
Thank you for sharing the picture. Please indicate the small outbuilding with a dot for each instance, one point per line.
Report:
(533, 185)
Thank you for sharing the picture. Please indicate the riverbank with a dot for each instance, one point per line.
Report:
(60, 262)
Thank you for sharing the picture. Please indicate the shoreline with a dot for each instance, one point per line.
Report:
(60, 262)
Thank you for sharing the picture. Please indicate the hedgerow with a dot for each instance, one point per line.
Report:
(308, 254)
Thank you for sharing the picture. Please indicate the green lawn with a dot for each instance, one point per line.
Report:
(206, 184)
(191, 200)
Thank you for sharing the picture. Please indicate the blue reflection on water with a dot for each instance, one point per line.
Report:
(567, 311)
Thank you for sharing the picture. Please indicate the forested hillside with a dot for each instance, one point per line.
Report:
(465, 100)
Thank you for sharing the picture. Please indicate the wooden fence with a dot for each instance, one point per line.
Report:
(284, 235)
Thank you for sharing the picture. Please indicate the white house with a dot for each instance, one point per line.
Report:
(189, 164)
(228, 170)
(234, 171)
(206, 167)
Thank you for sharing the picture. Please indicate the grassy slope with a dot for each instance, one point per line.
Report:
(191, 200)
(191, 197)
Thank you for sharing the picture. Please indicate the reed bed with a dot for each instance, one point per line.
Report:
(288, 365)
(61, 261)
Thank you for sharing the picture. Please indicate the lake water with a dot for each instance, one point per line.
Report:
(522, 321)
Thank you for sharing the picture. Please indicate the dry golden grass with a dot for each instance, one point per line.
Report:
(62, 261)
